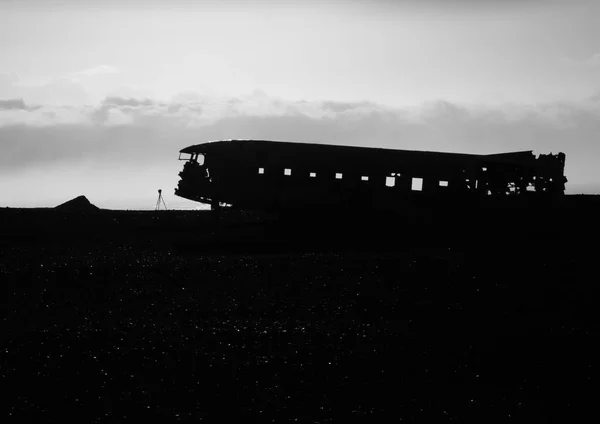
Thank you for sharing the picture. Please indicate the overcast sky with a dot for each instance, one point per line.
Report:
(97, 97)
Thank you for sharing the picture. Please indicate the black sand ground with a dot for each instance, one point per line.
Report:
(485, 316)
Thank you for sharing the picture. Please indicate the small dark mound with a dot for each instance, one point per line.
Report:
(78, 204)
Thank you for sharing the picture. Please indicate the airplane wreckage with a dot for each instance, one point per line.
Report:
(275, 176)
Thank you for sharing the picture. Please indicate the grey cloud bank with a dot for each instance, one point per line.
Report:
(12, 104)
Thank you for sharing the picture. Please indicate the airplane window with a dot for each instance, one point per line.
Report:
(417, 184)
(189, 157)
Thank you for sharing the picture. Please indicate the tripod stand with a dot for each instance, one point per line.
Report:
(160, 199)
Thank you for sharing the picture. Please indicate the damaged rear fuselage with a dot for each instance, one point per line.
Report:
(274, 175)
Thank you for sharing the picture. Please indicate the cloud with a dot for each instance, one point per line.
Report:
(98, 70)
(122, 101)
(45, 92)
(199, 112)
(117, 117)
(75, 88)
(12, 104)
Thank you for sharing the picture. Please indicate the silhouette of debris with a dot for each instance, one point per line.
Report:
(78, 204)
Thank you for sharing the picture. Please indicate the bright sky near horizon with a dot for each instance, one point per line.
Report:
(97, 97)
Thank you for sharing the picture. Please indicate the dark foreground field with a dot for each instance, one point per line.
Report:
(479, 316)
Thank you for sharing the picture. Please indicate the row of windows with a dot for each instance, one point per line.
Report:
(417, 183)
(338, 175)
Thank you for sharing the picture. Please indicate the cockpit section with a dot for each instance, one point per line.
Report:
(194, 166)
(195, 182)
